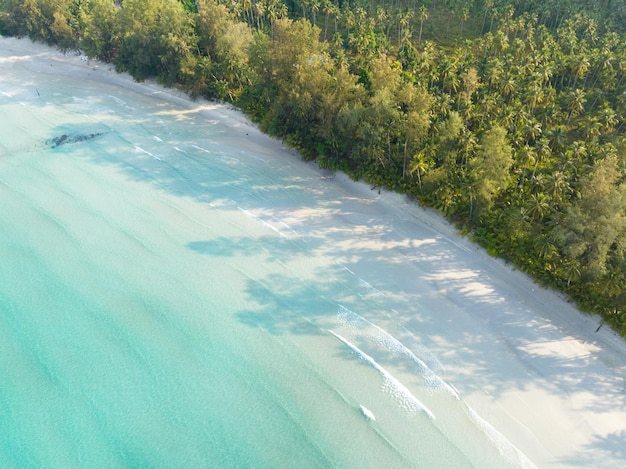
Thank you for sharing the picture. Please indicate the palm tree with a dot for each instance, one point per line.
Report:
(558, 187)
(571, 271)
(423, 16)
(501, 42)
(526, 157)
(592, 128)
(545, 246)
(487, 106)
(581, 65)
(558, 137)
(451, 82)
(534, 95)
(579, 149)
(315, 7)
(419, 166)
(544, 74)
(532, 130)
(509, 86)
(543, 153)
(465, 15)
(246, 9)
(494, 72)
(275, 9)
(443, 104)
(258, 10)
(446, 199)
(612, 283)
(328, 8)
(575, 103)
(537, 206)
(488, 6)
(468, 145)
(304, 4)
(608, 120)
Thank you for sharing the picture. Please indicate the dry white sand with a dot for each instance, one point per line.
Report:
(521, 355)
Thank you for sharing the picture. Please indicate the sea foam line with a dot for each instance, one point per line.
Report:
(263, 222)
(423, 350)
(407, 400)
(507, 449)
(395, 346)
(370, 288)
(201, 149)
(138, 149)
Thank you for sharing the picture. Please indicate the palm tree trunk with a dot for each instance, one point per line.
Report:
(404, 162)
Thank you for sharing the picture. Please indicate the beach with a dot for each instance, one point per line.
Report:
(338, 284)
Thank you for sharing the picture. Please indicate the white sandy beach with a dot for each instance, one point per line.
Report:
(520, 356)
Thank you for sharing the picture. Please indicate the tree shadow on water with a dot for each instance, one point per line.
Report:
(281, 302)
(288, 305)
(275, 248)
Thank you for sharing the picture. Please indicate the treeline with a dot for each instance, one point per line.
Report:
(511, 122)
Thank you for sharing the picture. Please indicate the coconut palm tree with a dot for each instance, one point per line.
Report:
(575, 103)
(423, 16)
(418, 166)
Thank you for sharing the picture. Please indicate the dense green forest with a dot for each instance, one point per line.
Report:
(508, 116)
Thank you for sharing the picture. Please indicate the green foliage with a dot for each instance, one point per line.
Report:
(595, 225)
(156, 38)
(489, 170)
(53, 21)
(222, 69)
(99, 25)
(189, 5)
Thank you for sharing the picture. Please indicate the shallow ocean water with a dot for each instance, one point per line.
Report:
(167, 300)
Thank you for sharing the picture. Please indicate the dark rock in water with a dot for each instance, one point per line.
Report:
(56, 141)
(65, 139)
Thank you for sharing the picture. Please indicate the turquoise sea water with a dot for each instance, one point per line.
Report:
(172, 295)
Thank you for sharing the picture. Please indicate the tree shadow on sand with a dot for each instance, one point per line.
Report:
(610, 447)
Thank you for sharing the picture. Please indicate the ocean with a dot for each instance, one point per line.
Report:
(179, 291)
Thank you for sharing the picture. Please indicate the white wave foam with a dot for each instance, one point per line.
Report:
(158, 139)
(222, 203)
(390, 384)
(347, 269)
(263, 222)
(138, 149)
(424, 352)
(90, 106)
(509, 451)
(370, 289)
(200, 148)
(119, 101)
(389, 342)
(369, 415)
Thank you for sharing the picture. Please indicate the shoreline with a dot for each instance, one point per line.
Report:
(572, 332)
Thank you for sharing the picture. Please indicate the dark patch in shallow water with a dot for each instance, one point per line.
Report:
(66, 139)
